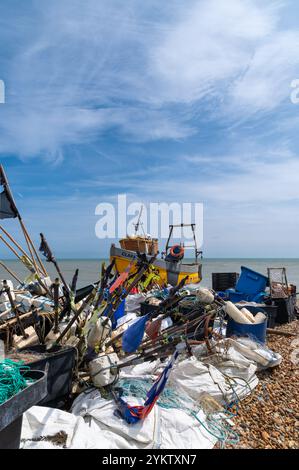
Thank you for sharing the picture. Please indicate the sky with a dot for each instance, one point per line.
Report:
(162, 101)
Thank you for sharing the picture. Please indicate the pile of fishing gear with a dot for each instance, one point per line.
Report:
(128, 346)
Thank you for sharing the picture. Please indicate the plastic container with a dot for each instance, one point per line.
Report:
(251, 282)
(11, 411)
(256, 331)
(271, 311)
(285, 310)
(59, 365)
(223, 281)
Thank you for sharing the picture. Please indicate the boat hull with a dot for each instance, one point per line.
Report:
(170, 273)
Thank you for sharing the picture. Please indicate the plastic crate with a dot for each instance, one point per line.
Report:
(223, 281)
(251, 282)
(271, 311)
(59, 365)
(235, 297)
(285, 310)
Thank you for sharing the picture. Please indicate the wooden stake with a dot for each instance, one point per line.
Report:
(20, 258)
(30, 242)
(77, 313)
(56, 304)
(18, 246)
(271, 331)
(11, 272)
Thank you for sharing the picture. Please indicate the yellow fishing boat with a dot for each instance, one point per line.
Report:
(171, 267)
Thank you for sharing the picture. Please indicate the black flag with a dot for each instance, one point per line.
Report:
(45, 249)
(8, 208)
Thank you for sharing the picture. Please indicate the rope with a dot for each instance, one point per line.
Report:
(11, 379)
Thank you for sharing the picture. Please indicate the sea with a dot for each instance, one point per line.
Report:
(89, 269)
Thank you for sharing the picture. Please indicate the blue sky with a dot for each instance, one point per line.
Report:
(164, 101)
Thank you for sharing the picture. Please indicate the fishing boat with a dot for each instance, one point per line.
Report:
(171, 268)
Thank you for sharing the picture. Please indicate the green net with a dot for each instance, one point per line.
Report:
(11, 379)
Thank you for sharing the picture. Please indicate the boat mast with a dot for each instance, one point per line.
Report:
(139, 223)
(196, 251)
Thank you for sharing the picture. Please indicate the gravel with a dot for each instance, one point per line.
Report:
(269, 418)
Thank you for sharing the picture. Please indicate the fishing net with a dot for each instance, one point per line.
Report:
(11, 379)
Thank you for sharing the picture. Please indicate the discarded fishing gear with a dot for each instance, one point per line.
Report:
(133, 414)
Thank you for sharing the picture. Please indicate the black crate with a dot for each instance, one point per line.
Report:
(59, 365)
(285, 310)
(223, 281)
(271, 311)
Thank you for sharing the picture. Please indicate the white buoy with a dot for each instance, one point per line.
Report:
(260, 317)
(205, 296)
(236, 314)
(99, 332)
(248, 315)
(101, 369)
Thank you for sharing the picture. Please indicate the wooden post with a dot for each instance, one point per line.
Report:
(11, 272)
(56, 304)
(30, 242)
(20, 258)
(19, 247)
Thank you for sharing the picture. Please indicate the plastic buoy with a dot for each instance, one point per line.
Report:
(236, 314)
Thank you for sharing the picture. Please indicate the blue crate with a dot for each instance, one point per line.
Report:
(250, 282)
(235, 297)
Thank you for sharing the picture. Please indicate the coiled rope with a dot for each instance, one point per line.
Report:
(11, 379)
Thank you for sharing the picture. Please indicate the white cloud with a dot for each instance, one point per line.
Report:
(267, 81)
(213, 42)
(80, 71)
(76, 70)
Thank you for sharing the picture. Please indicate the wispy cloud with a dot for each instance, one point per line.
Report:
(86, 68)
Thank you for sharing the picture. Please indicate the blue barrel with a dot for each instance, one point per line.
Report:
(257, 332)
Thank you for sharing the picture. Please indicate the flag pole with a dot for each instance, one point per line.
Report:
(45, 249)
(11, 272)
(28, 240)
(17, 245)
(56, 305)
(26, 260)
